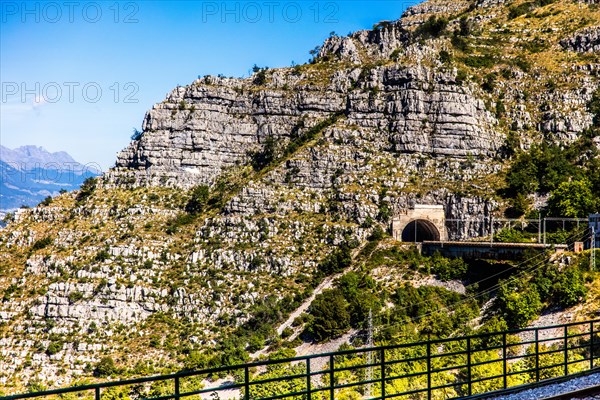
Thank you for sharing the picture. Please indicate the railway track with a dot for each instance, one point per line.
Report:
(581, 394)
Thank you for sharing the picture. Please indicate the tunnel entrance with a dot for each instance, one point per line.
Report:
(420, 230)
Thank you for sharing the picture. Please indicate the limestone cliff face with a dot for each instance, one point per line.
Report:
(209, 126)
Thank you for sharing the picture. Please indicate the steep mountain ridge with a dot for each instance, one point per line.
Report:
(298, 162)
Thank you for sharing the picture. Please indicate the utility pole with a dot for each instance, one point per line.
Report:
(544, 230)
(593, 251)
(369, 354)
(539, 227)
(416, 228)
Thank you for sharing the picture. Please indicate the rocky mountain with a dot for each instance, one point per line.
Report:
(238, 189)
(29, 174)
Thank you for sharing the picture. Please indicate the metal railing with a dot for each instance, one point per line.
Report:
(434, 369)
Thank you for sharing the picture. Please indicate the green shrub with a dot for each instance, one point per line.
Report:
(489, 83)
(198, 199)
(512, 144)
(75, 297)
(86, 189)
(41, 243)
(376, 235)
(10, 290)
(522, 63)
(337, 261)
(511, 236)
(54, 347)
(47, 201)
(465, 27)
(385, 211)
(484, 61)
(180, 220)
(500, 109)
(573, 199)
(536, 45)
(517, 11)
(105, 367)
(563, 288)
(519, 206)
(287, 332)
(102, 255)
(195, 360)
(433, 27)
(524, 8)
(330, 315)
(269, 153)
(461, 76)
(260, 77)
(445, 57)
(460, 43)
(448, 269)
(519, 303)
(544, 167)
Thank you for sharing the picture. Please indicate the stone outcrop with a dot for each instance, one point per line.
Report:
(584, 41)
(202, 130)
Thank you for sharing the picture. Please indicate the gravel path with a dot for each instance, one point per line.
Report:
(454, 286)
(548, 319)
(555, 390)
(326, 284)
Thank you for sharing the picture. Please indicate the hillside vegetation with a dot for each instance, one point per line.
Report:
(241, 196)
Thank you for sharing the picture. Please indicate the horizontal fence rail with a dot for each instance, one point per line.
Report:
(434, 369)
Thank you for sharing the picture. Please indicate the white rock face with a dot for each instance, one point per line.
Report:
(584, 41)
(211, 125)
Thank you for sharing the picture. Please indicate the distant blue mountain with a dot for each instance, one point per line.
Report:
(29, 174)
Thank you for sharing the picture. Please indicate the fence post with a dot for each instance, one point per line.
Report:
(592, 345)
(382, 361)
(246, 383)
(544, 230)
(504, 361)
(566, 351)
(176, 388)
(537, 355)
(331, 390)
(428, 370)
(469, 386)
(308, 378)
(97, 393)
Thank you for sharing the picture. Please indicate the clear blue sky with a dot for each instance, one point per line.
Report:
(56, 57)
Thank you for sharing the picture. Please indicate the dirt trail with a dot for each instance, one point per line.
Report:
(326, 284)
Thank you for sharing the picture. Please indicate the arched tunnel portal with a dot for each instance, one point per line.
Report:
(420, 223)
(420, 230)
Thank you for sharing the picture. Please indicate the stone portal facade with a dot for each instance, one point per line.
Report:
(422, 222)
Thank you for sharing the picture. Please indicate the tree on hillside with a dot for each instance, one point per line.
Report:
(518, 302)
(198, 199)
(330, 315)
(572, 199)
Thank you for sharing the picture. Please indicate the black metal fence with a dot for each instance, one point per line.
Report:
(434, 369)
